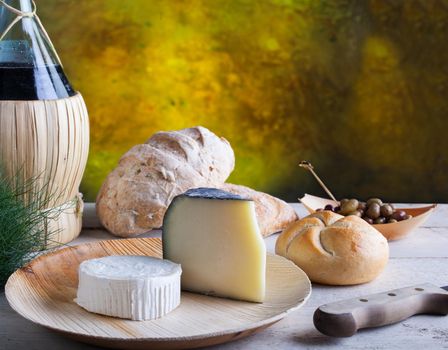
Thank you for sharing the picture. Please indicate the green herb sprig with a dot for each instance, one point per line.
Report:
(23, 222)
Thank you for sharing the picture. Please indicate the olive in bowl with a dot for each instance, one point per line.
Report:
(374, 211)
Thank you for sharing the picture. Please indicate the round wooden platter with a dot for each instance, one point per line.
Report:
(44, 290)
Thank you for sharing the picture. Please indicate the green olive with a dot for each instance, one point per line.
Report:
(356, 213)
(380, 220)
(373, 211)
(349, 207)
(344, 209)
(386, 210)
(374, 200)
(391, 221)
(343, 201)
(354, 203)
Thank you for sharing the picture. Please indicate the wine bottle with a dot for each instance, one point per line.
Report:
(44, 126)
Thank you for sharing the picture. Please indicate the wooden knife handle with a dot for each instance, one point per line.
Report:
(344, 318)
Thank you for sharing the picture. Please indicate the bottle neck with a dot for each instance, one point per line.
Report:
(21, 5)
(23, 40)
(29, 66)
(13, 11)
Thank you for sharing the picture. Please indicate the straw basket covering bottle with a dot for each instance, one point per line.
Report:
(44, 126)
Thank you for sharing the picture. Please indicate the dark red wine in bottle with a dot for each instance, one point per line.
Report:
(20, 82)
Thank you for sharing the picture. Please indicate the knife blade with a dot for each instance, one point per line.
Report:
(344, 318)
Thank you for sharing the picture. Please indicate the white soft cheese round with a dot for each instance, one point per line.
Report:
(133, 287)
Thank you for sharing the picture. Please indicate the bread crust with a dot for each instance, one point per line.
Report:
(273, 214)
(337, 251)
(293, 230)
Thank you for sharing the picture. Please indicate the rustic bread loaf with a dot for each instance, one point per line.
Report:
(273, 214)
(333, 249)
(135, 195)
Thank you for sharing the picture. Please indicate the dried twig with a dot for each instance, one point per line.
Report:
(307, 165)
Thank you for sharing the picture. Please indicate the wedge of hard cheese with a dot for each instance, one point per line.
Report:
(215, 237)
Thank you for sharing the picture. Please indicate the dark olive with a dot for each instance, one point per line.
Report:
(386, 210)
(373, 211)
(380, 220)
(391, 221)
(337, 209)
(328, 207)
(355, 212)
(399, 215)
(368, 220)
(362, 206)
(407, 217)
(374, 200)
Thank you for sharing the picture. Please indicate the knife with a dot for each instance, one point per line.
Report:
(344, 318)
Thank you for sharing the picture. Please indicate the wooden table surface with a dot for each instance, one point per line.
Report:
(420, 257)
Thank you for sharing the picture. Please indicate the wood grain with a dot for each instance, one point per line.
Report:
(421, 257)
(48, 141)
(43, 292)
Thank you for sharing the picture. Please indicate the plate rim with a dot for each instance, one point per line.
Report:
(252, 326)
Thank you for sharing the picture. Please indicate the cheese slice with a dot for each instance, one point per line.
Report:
(133, 287)
(214, 235)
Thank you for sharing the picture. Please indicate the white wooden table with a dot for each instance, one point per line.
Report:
(420, 257)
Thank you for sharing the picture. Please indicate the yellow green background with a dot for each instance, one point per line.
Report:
(359, 88)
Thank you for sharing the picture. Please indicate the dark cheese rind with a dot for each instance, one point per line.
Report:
(212, 193)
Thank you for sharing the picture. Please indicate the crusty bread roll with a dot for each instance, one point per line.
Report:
(333, 249)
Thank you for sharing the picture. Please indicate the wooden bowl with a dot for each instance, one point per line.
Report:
(43, 292)
(392, 231)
